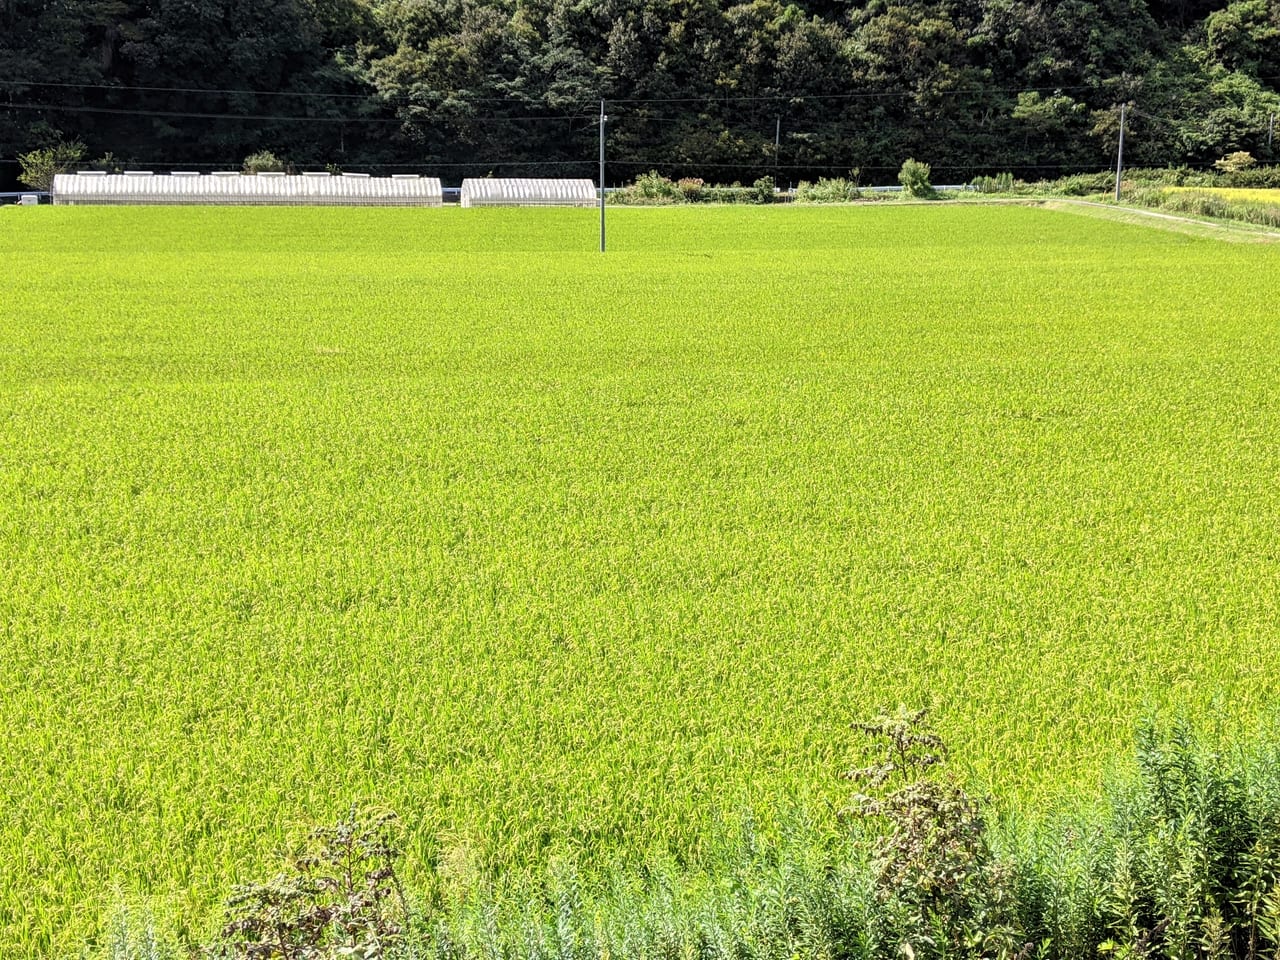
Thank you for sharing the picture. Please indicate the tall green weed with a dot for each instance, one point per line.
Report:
(827, 190)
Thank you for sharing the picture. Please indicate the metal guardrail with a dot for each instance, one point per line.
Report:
(15, 196)
(960, 187)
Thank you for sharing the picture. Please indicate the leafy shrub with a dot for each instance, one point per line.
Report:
(264, 161)
(1236, 162)
(649, 189)
(38, 168)
(914, 177)
(652, 187)
(939, 887)
(835, 190)
(691, 188)
(339, 896)
(731, 194)
(765, 190)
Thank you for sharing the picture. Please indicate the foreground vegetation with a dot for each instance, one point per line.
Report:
(1180, 861)
(572, 559)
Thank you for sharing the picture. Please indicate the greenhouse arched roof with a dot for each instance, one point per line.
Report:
(232, 188)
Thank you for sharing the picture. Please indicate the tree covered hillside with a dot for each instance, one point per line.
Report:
(697, 86)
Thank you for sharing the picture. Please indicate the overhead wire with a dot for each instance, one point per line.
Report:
(586, 115)
(582, 109)
(859, 95)
(273, 118)
(372, 95)
(703, 98)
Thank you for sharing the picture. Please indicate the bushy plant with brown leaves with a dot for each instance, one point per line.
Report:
(339, 896)
(941, 890)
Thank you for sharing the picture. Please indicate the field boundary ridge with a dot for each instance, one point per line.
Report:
(1235, 232)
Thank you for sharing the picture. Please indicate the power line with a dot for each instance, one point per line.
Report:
(861, 95)
(434, 118)
(958, 91)
(631, 161)
(581, 104)
(198, 115)
(373, 94)
(300, 94)
(220, 92)
(766, 163)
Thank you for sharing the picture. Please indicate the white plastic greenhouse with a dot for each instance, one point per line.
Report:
(490, 192)
(348, 189)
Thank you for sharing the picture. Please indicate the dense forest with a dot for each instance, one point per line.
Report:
(722, 90)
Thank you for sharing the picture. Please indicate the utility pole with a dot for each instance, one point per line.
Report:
(602, 120)
(1120, 153)
(1271, 131)
(777, 141)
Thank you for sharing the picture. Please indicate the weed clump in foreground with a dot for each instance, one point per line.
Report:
(939, 888)
(337, 897)
(1183, 863)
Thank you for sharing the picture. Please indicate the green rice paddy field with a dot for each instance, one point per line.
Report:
(562, 554)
